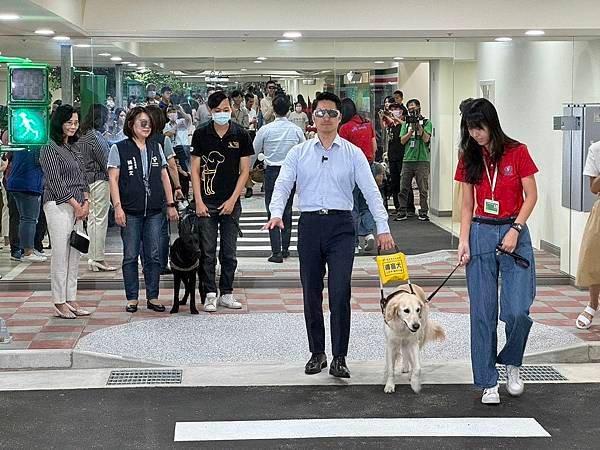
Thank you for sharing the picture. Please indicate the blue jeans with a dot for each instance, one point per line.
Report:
(28, 206)
(141, 229)
(516, 296)
(164, 245)
(364, 223)
(280, 239)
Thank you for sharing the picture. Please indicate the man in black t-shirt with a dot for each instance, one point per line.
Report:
(220, 168)
(396, 155)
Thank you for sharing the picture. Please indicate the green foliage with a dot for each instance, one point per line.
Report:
(159, 79)
(3, 117)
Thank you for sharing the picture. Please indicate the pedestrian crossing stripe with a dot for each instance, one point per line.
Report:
(504, 427)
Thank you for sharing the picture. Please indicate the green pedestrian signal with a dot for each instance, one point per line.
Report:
(28, 125)
(28, 104)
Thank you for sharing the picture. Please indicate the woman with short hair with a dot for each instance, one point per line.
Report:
(139, 185)
(497, 176)
(66, 204)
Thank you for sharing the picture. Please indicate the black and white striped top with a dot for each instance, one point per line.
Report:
(94, 149)
(64, 173)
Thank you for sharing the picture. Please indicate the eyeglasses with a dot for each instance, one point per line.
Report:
(321, 113)
(521, 261)
(144, 123)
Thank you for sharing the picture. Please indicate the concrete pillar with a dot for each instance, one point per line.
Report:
(66, 73)
(443, 142)
(119, 85)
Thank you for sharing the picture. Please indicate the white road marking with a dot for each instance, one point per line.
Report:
(16, 271)
(507, 427)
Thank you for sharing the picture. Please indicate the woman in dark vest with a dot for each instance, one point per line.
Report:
(139, 186)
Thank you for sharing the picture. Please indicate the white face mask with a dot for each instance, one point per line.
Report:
(173, 117)
(221, 118)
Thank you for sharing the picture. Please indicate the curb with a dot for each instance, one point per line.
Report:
(588, 352)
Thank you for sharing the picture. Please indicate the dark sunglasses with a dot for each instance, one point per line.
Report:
(522, 262)
(144, 123)
(321, 113)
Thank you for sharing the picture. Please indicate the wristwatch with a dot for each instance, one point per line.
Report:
(170, 205)
(517, 226)
(177, 188)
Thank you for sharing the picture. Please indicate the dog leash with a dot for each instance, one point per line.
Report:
(384, 300)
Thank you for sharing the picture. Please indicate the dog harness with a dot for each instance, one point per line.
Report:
(187, 269)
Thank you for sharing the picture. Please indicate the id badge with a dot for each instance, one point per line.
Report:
(412, 143)
(491, 207)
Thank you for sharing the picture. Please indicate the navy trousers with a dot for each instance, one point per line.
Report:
(326, 241)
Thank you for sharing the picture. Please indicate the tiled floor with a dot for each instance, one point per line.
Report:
(547, 265)
(29, 318)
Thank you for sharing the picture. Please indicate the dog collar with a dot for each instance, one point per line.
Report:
(385, 300)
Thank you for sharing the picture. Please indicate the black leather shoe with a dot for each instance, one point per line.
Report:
(155, 307)
(316, 362)
(131, 307)
(249, 193)
(339, 368)
(276, 258)
(285, 254)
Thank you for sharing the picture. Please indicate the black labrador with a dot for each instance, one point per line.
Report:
(185, 256)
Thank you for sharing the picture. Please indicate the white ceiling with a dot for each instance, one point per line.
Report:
(184, 35)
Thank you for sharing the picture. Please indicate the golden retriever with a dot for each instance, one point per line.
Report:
(407, 330)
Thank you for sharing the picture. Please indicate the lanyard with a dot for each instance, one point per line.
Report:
(492, 183)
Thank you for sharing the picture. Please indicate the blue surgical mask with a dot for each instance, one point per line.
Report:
(221, 118)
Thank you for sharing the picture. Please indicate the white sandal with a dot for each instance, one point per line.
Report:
(584, 320)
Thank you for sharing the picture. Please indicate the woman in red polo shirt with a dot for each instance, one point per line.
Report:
(497, 176)
(359, 131)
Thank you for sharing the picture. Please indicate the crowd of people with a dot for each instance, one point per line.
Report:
(150, 158)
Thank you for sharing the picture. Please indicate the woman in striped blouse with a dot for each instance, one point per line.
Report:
(94, 149)
(66, 204)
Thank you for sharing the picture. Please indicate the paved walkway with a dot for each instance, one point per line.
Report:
(28, 314)
(436, 264)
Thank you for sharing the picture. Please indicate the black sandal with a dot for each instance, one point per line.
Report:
(131, 306)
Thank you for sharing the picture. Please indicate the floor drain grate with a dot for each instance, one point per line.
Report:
(534, 373)
(144, 376)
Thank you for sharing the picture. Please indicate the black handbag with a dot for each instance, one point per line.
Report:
(79, 241)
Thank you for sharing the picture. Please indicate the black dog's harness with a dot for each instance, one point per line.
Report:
(186, 269)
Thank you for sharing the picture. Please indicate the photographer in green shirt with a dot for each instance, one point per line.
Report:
(415, 135)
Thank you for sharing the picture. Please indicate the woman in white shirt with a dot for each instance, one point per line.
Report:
(588, 269)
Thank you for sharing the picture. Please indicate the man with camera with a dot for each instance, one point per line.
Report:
(415, 135)
(395, 157)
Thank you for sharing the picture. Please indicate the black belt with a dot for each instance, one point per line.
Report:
(491, 221)
(326, 212)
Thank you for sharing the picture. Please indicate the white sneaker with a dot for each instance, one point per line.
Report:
(514, 384)
(369, 242)
(357, 250)
(490, 396)
(210, 303)
(34, 258)
(228, 301)
(35, 252)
